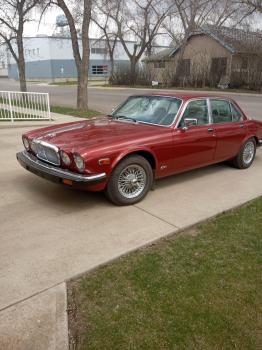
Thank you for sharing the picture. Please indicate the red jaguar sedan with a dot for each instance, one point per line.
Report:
(145, 138)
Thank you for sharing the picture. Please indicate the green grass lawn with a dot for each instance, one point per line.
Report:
(64, 83)
(74, 82)
(199, 290)
(74, 112)
(55, 109)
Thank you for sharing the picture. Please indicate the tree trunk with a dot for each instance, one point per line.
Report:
(133, 63)
(21, 56)
(22, 78)
(82, 61)
(112, 63)
(82, 93)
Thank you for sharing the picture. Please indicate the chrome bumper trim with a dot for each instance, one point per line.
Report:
(30, 161)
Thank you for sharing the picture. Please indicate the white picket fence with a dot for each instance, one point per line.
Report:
(15, 105)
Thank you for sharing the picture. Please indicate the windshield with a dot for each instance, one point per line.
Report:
(149, 109)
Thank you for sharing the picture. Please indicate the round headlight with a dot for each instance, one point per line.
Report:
(65, 158)
(79, 162)
(26, 143)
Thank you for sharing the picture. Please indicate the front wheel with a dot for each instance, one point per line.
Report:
(246, 155)
(130, 181)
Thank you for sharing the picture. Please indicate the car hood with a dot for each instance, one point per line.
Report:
(95, 133)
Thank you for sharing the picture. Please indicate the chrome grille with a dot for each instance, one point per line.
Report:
(45, 151)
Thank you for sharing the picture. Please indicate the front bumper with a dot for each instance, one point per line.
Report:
(55, 174)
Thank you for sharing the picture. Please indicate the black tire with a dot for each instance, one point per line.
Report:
(239, 161)
(133, 162)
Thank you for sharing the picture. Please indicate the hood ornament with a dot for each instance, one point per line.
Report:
(51, 135)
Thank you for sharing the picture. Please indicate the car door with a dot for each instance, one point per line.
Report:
(194, 139)
(230, 128)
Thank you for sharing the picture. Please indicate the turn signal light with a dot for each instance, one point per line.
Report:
(104, 161)
(68, 182)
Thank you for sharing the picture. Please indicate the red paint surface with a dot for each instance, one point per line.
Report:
(172, 150)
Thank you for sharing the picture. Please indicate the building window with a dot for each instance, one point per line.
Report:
(99, 50)
(219, 66)
(184, 68)
(159, 64)
(100, 70)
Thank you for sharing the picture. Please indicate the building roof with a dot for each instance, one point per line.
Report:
(161, 55)
(232, 39)
(235, 40)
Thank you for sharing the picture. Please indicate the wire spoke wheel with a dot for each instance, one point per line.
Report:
(248, 152)
(132, 181)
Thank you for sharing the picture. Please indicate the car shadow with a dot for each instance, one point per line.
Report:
(67, 199)
(61, 197)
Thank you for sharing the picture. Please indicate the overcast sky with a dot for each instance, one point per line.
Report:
(48, 24)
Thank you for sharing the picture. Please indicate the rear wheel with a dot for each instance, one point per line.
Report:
(130, 181)
(246, 155)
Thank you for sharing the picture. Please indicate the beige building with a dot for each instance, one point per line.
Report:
(211, 56)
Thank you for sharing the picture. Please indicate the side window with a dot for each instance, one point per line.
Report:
(196, 113)
(221, 111)
(236, 114)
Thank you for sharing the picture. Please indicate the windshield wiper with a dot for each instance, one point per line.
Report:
(123, 117)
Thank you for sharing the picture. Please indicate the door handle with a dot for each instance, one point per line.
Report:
(210, 129)
(241, 125)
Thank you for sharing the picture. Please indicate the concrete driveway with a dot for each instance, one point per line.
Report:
(49, 233)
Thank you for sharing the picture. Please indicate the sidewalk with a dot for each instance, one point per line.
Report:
(49, 234)
(56, 118)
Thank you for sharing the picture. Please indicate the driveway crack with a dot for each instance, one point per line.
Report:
(157, 217)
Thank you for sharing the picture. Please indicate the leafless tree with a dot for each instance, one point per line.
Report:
(252, 5)
(104, 22)
(13, 16)
(78, 14)
(191, 15)
(139, 20)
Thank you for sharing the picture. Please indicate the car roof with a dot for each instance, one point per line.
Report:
(186, 96)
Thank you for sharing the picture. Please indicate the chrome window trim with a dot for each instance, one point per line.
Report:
(185, 106)
(209, 111)
(164, 96)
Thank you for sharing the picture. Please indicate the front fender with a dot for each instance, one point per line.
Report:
(128, 152)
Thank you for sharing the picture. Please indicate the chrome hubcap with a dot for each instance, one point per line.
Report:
(132, 181)
(248, 152)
